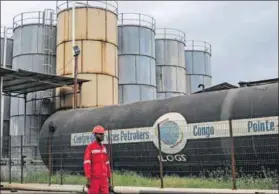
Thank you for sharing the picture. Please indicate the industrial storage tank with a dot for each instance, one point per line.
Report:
(195, 135)
(6, 34)
(33, 50)
(95, 33)
(136, 58)
(198, 65)
(170, 63)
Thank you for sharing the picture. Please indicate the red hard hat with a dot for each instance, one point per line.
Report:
(98, 129)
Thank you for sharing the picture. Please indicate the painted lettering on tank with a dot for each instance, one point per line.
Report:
(205, 131)
(260, 126)
(82, 139)
(173, 158)
(133, 136)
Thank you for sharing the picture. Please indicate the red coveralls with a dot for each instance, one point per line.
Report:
(97, 168)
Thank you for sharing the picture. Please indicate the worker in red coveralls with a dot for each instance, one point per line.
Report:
(96, 164)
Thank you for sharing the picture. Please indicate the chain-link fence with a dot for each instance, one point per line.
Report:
(225, 154)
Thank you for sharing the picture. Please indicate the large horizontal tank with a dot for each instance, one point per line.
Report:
(198, 65)
(195, 138)
(96, 36)
(170, 63)
(33, 50)
(136, 56)
(6, 33)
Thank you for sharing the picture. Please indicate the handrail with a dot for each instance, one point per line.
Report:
(46, 17)
(198, 45)
(138, 19)
(169, 33)
(9, 32)
(107, 5)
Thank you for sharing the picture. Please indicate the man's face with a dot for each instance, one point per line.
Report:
(99, 136)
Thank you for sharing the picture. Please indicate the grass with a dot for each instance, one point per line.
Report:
(133, 179)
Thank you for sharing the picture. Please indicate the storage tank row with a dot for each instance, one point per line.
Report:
(125, 57)
(151, 65)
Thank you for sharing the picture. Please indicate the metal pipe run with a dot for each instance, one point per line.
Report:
(125, 189)
(1, 90)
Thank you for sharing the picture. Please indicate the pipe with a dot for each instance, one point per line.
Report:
(1, 91)
(73, 42)
(126, 190)
(45, 187)
(153, 190)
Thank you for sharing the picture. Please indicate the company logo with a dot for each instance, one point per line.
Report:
(172, 132)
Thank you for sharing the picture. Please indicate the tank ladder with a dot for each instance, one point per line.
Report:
(48, 44)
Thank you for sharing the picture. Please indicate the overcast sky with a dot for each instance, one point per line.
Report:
(243, 35)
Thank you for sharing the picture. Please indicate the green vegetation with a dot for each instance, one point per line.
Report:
(133, 179)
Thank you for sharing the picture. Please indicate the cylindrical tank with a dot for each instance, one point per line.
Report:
(96, 36)
(33, 50)
(136, 58)
(170, 63)
(133, 131)
(7, 99)
(198, 65)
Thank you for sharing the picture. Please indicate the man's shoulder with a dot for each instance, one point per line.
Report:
(94, 144)
(91, 144)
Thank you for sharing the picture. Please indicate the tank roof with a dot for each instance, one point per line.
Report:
(198, 45)
(136, 19)
(107, 5)
(46, 17)
(218, 87)
(260, 82)
(171, 34)
(9, 32)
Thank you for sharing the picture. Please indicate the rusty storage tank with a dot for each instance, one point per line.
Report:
(33, 50)
(96, 36)
(170, 63)
(136, 57)
(7, 50)
(198, 65)
(194, 129)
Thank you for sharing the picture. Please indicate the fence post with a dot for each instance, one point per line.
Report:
(110, 153)
(49, 159)
(232, 156)
(160, 156)
(21, 159)
(10, 159)
(61, 166)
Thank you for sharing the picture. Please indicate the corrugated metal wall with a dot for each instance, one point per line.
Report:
(33, 50)
(137, 68)
(170, 63)
(7, 99)
(198, 65)
(96, 36)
